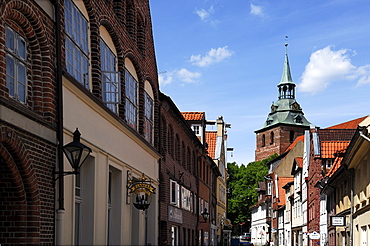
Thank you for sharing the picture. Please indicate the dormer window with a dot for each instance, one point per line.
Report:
(298, 119)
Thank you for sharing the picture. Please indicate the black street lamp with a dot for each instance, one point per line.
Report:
(76, 153)
(205, 215)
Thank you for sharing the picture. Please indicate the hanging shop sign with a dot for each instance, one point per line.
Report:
(141, 190)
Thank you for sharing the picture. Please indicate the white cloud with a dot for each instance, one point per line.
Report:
(212, 56)
(187, 76)
(327, 66)
(257, 10)
(364, 75)
(182, 74)
(205, 14)
(164, 79)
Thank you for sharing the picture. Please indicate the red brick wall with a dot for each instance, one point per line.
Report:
(281, 140)
(183, 172)
(26, 188)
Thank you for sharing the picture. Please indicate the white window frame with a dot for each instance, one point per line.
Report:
(76, 43)
(131, 104)
(16, 55)
(111, 83)
(148, 117)
(196, 129)
(174, 193)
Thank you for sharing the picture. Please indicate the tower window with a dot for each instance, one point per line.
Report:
(272, 138)
(291, 136)
(263, 140)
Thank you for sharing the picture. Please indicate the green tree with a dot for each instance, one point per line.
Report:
(242, 183)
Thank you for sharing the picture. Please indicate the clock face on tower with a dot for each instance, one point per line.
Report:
(295, 106)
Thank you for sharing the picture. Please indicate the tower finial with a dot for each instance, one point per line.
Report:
(286, 44)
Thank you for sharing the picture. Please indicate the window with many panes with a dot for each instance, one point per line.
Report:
(16, 64)
(76, 46)
(148, 118)
(110, 78)
(131, 100)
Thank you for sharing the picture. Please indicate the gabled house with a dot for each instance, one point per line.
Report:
(289, 197)
(297, 204)
(261, 215)
(357, 161)
(217, 149)
(279, 175)
(327, 148)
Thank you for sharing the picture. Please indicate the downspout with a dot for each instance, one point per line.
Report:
(351, 212)
(60, 160)
(159, 170)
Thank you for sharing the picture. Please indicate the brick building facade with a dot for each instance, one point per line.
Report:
(28, 112)
(181, 153)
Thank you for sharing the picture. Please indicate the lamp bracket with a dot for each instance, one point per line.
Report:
(62, 174)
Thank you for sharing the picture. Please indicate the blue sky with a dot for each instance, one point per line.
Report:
(225, 57)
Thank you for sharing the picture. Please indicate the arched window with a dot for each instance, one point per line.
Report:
(263, 140)
(183, 155)
(148, 112)
(131, 102)
(111, 83)
(272, 138)
(130, 18)
(170, 141)
(188, 160)
(140, 40)
(177, 148)
(291, 136)
(16, 65)
(77, 45)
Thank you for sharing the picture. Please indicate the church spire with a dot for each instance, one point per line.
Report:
(286, 85)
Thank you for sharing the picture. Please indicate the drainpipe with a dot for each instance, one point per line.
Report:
(60, 160)
(351, 212)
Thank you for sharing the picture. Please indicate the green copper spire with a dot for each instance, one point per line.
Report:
(286, 109)
(286, 78)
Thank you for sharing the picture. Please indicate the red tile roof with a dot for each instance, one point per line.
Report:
(193, 115)
(349, 124)
(299, 161)
(299, 138)
(329, 148)
(281, 182)
(337, 163)
(211, 137)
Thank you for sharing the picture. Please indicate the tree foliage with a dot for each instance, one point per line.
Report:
(242, 183)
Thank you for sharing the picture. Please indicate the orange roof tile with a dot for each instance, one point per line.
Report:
(281, 182)
(328, 148)
(211, 137)
(299, 138)
(193, 115)
(337, 163)
(349, 124)
(299, 161)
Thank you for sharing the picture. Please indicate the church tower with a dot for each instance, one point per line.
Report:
(285, 121)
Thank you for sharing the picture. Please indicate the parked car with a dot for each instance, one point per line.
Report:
(245, 239)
